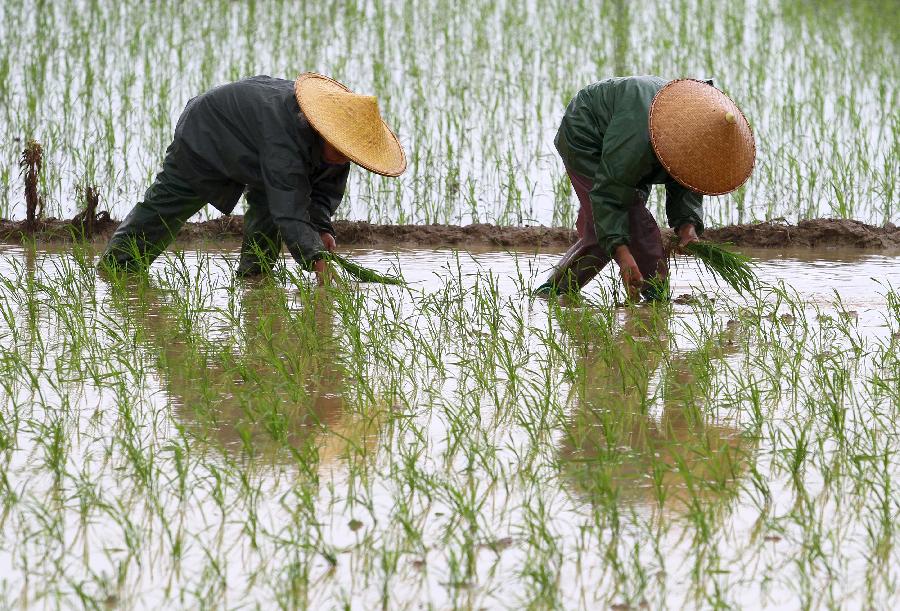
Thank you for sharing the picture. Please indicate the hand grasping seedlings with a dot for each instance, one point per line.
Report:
(686, 235)
(732, 267)
(360, 273)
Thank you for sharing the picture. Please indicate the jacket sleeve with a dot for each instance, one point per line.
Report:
(286, 181)
(683, 206)
(327, 192)
(622, 165)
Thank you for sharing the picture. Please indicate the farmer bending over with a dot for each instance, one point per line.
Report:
(286, 144)
(620, 136)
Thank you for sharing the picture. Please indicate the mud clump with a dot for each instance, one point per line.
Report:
(31, 162)
(350, 233)
(52, 230)
(87, 220)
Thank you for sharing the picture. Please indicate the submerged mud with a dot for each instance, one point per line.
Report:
(815, 233)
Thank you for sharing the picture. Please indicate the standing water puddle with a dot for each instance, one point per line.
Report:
(196, 439)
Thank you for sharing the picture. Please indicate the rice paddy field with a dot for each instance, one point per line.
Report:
(474, 88)
(186, 439)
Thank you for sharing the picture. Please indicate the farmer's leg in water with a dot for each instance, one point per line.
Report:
(153, 223)
(262, 240)
(642, 259)
(646, 248)
(648, 253)
(585, 258)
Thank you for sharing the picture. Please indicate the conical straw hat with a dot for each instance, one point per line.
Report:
(701, 137)
(350, 122)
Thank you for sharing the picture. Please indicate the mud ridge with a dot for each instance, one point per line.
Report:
(815, 233)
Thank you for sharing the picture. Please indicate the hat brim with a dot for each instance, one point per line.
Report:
(366, 140)
(701, 137)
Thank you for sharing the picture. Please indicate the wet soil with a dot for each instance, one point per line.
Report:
(813, 233)
(816, 233)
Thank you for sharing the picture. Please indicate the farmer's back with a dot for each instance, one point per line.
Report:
(244, 133)
(617, 107)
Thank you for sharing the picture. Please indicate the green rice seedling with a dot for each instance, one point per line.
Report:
(445, 442)
(731, 267)
(363, 274)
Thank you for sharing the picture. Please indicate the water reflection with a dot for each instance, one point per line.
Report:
(640, 429)
(275, 388)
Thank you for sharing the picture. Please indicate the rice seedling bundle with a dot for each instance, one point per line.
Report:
(732, 267)
(363, 274)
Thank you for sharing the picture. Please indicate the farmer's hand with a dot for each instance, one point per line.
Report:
(321, 267)
(323, 272)
(686, 234)
(631, 274)
(328, 241)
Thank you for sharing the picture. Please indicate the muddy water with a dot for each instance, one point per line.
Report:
(858, 277)
(495, 498)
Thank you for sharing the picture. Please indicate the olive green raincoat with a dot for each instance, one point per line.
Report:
(605, 137)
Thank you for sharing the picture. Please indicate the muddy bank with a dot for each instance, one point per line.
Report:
(352, 233)
(817, 233)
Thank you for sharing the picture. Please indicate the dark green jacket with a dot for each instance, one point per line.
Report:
(605, 137)
(250, 134)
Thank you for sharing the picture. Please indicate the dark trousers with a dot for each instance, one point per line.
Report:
(586, 258)
(154, 222)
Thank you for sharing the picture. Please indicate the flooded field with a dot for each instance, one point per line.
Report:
(191, 440)
(475, 89)
(187, 439)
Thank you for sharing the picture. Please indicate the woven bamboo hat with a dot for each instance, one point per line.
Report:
(350, 122)
(701, 137)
